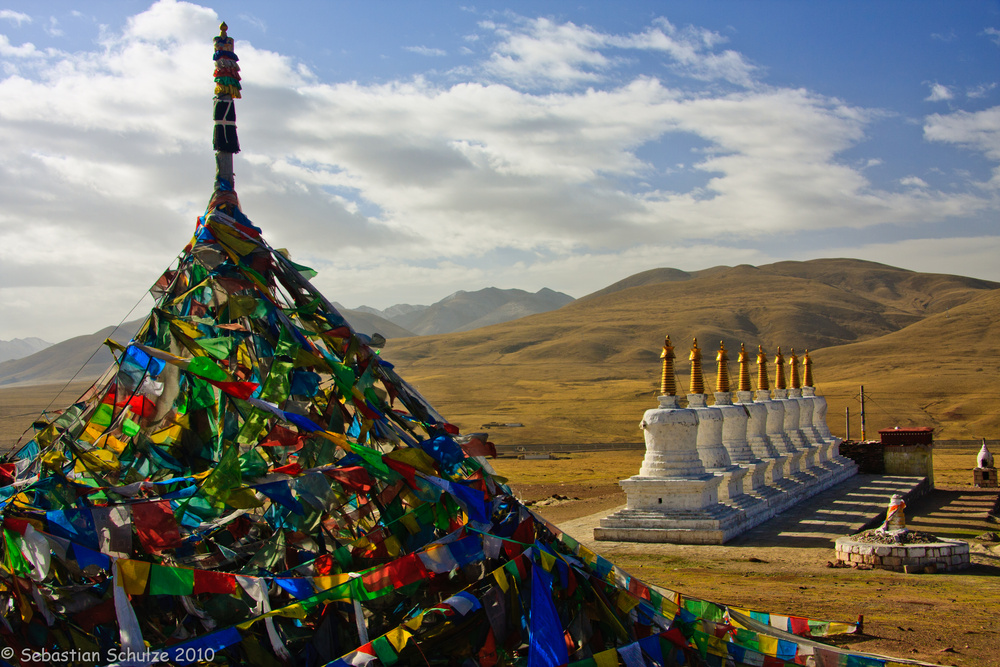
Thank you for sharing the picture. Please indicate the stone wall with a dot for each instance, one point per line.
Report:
(946, 555)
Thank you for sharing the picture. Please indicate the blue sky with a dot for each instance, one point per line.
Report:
(410, 149)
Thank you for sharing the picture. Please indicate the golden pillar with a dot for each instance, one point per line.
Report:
(793, 371)
(697, 380)
(779, 370)
(744, 369)
(722, 366)
(668, 385)
(763, 383)
(807, 370)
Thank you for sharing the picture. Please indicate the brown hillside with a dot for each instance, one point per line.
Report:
(587, 371)
(943, 371)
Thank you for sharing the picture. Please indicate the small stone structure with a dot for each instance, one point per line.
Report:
(985, 475)
(909, 452)
(712, 472)
(893, 547)
(946, 555)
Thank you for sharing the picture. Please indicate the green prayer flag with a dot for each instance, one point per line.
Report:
(219, 348)
(384, 651)
(225, 477)
(15, 560)
(170, 580)
(371, 457)
(102, 415)
(252, 465)
(129, 427)
(206, 368)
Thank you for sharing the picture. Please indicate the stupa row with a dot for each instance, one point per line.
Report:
(712, 472)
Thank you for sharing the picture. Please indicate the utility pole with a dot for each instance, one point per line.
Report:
(848, 423)
(863, 438)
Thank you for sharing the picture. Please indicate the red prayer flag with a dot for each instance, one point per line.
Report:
(206, 581)
(241, 390)
(286, 437)
(479, 447)
(408, 472)
(399, 573)
(323, 565)
(355, 478)
(800, 626)
(140, 405)
(292, 468)
(155, 524)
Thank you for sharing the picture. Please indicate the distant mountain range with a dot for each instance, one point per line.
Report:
(464, 311)
(21, 347)
(86, 356)
(925, 346)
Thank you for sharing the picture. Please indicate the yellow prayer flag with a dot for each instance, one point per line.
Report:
(768, 645)
(607, 658)
(398, 637)
(501, 578)
(96, 460)
(414, 457)
(626, 602)
(393, 546)
(109, 441)
(548, 560)
(135, 575)
(167, 435)
(840, 628)
(410, 523)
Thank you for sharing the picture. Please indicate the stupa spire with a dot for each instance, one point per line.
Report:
(225, 140)
(793, 371)
(697, 380)
(763, 383)
(807, 370)
(722, 372)
(744, 369)
(668, 385)
(779, 370)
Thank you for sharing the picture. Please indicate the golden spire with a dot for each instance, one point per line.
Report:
(697, 381)
(763, 383)
(779, 370)
(807, 370)
(744, 369)
(793, 371)
(722, 374)
(668, 386)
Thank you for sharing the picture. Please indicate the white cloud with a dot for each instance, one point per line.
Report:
(980, 91)
(255, 21)
(541, 52)
(53, 27)
(978, 130)
(965, 256)
(939, 93)
(425, 51)
(993, 34)
(913, 182)
(393, 191)
(18, 18)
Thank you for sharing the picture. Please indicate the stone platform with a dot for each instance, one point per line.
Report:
(851, 506)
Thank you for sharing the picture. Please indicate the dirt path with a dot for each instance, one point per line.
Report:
(946, 619)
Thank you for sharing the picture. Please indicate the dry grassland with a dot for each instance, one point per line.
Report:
(943, 619)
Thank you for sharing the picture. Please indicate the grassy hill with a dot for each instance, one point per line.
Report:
(587, 371)
(925, 346)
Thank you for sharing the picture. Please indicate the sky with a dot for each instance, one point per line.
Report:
(407, 150)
